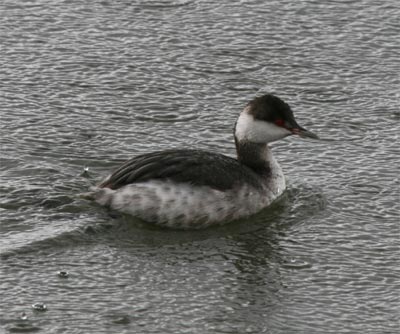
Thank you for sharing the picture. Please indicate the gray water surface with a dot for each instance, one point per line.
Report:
(87, 84)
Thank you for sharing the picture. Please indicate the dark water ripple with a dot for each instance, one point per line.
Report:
(84, 85)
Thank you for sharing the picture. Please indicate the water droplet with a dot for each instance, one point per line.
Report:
(296, 264)
(39, 307)
(85, 171)
(63, 274)
(123, 320)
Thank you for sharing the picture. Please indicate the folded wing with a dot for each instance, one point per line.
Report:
(195, 167)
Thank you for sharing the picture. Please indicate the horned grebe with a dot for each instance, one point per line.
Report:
(192, 189)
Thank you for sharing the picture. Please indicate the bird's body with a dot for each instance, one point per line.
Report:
(192, 189)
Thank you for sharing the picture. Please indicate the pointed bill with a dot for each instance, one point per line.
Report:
(303, 133)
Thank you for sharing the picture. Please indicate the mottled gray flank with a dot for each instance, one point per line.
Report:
(183, 206)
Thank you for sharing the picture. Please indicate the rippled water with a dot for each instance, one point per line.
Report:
(86, 84)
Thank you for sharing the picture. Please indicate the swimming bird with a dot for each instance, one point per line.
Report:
(192, 189)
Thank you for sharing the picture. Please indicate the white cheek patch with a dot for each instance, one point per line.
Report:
(256, 131)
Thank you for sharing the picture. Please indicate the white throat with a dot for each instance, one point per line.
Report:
(257, 131)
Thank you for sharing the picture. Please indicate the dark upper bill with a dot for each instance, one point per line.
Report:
(304, 133)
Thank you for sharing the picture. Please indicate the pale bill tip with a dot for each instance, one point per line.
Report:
(303, 133)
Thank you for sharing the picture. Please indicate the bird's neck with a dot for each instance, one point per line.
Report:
(256, 156)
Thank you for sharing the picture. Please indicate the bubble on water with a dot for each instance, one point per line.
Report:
(63, 274)
(122, 320)
(41, 307)
(296, 264)
(85, 171)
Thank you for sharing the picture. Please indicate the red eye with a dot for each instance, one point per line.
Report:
(279, 122)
